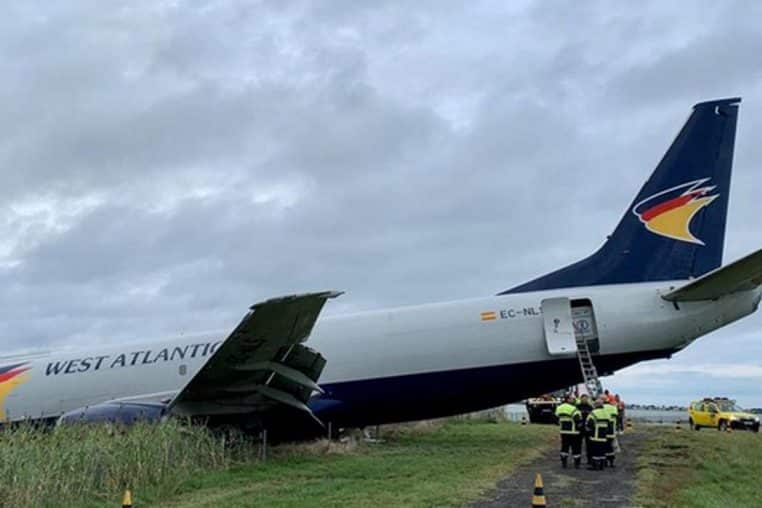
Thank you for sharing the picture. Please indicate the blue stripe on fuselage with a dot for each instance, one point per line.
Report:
(436, 394)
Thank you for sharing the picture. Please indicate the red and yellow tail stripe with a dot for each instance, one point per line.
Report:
(10, 377)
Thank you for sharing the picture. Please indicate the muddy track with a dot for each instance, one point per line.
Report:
(571, 487)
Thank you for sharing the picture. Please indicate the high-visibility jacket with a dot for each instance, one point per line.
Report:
(597, 425)
(613, 412)
(569, 418)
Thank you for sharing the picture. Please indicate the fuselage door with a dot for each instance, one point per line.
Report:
(585, 328)
(558, 326)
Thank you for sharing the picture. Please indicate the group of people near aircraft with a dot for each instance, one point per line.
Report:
(595, 423)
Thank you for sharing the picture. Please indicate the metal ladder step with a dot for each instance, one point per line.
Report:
(587, 366)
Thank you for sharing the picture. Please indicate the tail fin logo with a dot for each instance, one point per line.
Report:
(669, 213)
(10, 377)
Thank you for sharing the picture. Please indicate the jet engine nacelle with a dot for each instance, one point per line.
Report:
(126, 413)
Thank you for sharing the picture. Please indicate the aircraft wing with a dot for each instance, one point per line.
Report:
(262, 364)
(744, 274)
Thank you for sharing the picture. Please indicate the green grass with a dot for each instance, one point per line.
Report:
(444, 466)
(442, 463)
(699, 469)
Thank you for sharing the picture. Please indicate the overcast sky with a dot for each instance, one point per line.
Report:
(167, 164)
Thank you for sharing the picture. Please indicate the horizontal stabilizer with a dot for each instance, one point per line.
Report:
(741, 275)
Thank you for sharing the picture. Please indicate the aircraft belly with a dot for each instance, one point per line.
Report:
(444, 393)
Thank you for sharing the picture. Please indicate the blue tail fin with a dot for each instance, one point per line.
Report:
(675, 227)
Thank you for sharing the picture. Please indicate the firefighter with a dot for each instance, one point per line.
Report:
(570, 423)
(585, 408)
(584, 405)
(597, 426)
(613, 413)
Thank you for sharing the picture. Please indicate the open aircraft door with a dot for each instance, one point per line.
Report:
(558, 326)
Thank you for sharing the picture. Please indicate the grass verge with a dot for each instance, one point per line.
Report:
(699, 469)
(442, 464)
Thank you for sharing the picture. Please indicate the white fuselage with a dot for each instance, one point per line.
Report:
(389, 344)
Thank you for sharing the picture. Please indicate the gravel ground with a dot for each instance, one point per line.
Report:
(571, 487)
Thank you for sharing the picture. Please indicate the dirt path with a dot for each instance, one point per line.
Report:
(571, 487)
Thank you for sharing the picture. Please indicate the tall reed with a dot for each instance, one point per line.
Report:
(83, 464)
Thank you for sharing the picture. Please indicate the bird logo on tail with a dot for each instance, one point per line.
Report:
(669, 213)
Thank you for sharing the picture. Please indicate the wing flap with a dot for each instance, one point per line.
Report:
(283, 397)
(741, 275)
(287, 372)
(262, 363)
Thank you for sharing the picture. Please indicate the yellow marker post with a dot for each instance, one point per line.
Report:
(127, 499)
(538, 499)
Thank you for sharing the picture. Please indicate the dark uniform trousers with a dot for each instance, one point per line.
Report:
(588, 447)
(598, 451)
(611, 435)
(573, 441)
(585, 409)
(610, 455)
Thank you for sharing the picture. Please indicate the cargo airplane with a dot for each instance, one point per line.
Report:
(654, 286)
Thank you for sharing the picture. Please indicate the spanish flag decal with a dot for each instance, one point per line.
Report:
(489, 316)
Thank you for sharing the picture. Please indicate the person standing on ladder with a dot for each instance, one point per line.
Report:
(570, 423)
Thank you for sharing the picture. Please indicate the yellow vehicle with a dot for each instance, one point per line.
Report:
(721, 413)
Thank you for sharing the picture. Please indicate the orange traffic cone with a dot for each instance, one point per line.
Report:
(538, 499)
